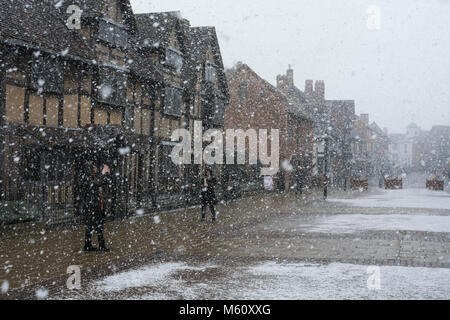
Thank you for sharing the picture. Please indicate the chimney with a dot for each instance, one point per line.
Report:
(320, 89)
(280, 81)
(365, 118)
(290, 77)
(186, 23)
(309, 87)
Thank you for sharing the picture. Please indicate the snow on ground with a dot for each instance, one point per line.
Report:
(346, 281)
(154, 275)
(349, 223)
(404, 198)
(271, 280)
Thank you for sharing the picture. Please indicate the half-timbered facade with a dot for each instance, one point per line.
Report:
(193, 89)
(112, 92)
(209, 89)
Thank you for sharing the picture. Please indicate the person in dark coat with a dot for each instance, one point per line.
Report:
(300, 176)
(208, 194)
(93, 206)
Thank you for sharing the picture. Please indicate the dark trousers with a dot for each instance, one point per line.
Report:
(213, 211)
(299, 188)
(90, 231)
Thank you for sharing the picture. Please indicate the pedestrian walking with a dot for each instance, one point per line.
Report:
(93, 206)
(208, 194)
(300, 176)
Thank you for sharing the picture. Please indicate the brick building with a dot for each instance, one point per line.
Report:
(256, 104)
(332, 121)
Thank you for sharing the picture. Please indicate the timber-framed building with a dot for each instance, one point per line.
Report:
(112, 92)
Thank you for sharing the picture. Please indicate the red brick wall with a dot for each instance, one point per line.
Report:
(265, 107)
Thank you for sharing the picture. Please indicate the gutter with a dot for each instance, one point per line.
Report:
(14, 42)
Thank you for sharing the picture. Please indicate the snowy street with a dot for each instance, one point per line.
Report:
(179, 150)
(311, 249)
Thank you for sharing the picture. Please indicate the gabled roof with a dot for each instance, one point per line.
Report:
(154, 31)
(292, 109)
(375, 127)
(38, 24)
(155, 28)
(198, 42)
(242, 67)
(141, 66)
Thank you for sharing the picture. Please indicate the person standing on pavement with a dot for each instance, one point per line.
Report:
(300, 177)
(93, 207)
(208, 194)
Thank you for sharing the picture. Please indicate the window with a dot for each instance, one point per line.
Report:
(299, 136)
(113, 33)
(219, 112)
(290, 134)
(210, 72)
(46, 75)
(112, 86)
(242, 92)
(174, 59)
(167, 169)
(173, 101)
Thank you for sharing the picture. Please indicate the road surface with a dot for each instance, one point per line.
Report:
(380, 245)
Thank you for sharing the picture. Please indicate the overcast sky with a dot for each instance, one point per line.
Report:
(398, 74)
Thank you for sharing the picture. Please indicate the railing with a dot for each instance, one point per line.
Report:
(393, 184)
(435, 185)
(357, 184)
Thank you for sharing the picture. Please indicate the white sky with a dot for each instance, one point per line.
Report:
(399, 74)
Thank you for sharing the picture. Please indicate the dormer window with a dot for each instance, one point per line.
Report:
(113, 33)
(210, 72)
(174, 59)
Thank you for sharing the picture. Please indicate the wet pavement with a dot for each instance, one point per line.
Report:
(264, 247)
(268, 281)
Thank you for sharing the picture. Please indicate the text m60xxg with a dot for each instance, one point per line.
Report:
(246, 309)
